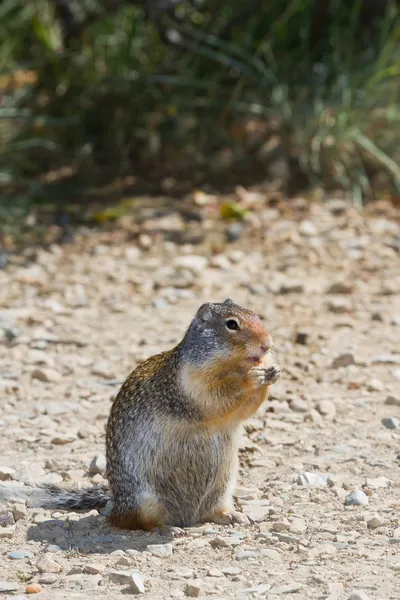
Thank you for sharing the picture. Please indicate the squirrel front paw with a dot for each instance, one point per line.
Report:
(265, 376)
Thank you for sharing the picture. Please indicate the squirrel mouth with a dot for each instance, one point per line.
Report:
(255, 360)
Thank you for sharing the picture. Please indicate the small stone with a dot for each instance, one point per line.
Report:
(8, 586)
(375, 385)
(297, 526)
(7, 532)
(194, 263)
(257, 510)
(291, 588)
(224, 542)
(193, 588)
(375, 522)
(396, 568)
(230, 570)
(51, 479)
(282, 525)
(299, 405)
(48, 565)
(5, 473)
(326, 408)
(48, 578)
(390, 422)
(291, 287)
(46, 375)
(19, 511)
(214, 572)
(136, 583)
(343, 360)
(33, 588)
(61, 440)
(311, 480)
(307, 228)
(358, 595)
(121, 577)
(302, 338)
(393, 401)
(262, 588)
(94, 568)
(375, 483)
(356, 498)
(98, 465)
(245, 555)
(340, 287)
(182, 573)
(6, 517)
(339, 305)
(17, 554)
(160, 550)
(104, 370)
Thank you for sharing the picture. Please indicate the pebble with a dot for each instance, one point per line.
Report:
(19, 511)
(214, 572)
(5, 473)
(390, 401)
(358, 595)
(98, 465)
(311, 480)
(375, 522)
(326, 408)
(297, 526)
(121, 577)
(224, 542)
(136, 583)
(356, 498)
(291, 588)
(7, 532)
(46, 375)
(193, 588)
(245, 555)
(94, 568)
(376, 483)
(33, 588)
(48, 565)
(8, 586)
(160, 550)
(17, 554)
(299, 405)
(48, 578)
(375, 385)
(390, 422)
(339, 305)
(6, 517)
(343, 360)
(262, 588)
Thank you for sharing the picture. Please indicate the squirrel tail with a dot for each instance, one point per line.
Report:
(57, 497)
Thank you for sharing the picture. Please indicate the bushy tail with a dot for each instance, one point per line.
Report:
(57, 497)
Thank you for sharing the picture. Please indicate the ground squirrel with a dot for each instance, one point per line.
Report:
(173, 429)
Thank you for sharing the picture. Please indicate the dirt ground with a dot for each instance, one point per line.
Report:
(74, 321)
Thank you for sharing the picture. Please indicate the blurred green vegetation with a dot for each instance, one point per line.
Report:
(91, 90)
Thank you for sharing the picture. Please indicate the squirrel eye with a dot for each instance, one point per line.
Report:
(232, 324)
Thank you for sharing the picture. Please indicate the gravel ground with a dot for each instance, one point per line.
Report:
(320, 462)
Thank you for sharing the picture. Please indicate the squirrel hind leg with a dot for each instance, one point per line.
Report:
(148, 516)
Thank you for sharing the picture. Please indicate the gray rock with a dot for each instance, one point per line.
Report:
(262, 588)
(343, 360)
(358, 595)
(9, 586)
(311, 480)
(6, 517)
(160, 550)
(98, 465)
(299, 405)
(390, 401)
(17, 554)
(376, 483)
(224, 542)
(291, 588)
(245, 554)
(48, 565)
(193, 588)
(136, 583)
(121, 577)
(390, 422)
(5, 473)
(356, 498)
(375, 385)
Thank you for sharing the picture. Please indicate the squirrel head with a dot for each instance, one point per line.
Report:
(228, 332)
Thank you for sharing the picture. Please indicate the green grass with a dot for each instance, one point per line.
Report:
(119, 99)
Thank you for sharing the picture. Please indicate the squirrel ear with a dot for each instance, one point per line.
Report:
(228, 301)
(204, 313)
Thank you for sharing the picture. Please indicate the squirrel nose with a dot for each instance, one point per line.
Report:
(266, 344)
